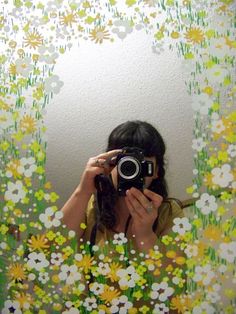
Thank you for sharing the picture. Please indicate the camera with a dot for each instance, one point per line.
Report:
(131, 169)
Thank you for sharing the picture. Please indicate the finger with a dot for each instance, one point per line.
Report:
(110, 154)
(98, 162)
(154, 197)
(141, 198)
(136, 204)
(131, 209)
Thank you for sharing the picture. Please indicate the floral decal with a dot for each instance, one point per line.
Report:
(43, 269)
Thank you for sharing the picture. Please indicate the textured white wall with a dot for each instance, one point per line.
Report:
(105, 85)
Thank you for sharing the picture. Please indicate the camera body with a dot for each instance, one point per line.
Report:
(131, 169)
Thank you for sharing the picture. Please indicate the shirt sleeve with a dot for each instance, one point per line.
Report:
(168, 213)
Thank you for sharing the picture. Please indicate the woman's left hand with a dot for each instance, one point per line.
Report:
(143, 208)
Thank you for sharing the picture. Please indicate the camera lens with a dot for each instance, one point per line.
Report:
(128, 168)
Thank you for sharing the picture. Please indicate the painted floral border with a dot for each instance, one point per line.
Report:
(42, 267)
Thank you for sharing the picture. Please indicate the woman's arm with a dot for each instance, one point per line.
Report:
(74, 210)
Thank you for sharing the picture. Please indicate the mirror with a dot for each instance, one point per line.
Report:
(106, 85)
(43, 267)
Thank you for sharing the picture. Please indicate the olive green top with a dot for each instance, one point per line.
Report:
(168, 210)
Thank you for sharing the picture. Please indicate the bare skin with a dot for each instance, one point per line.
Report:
(143, 207)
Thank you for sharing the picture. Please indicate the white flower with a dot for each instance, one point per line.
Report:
(43, 277)
(191, 250)
(213, 296)
(181, 225)
(222, 176)
(72, 310)
(103, 268)
(56, 258)
(11, 307)
(218, 48)
(160, 308)
(6, 120)
(122, 28)
(69, 273)
(23, 66)
(90, 304)
(120, 239)
(228, 251)
(217, 126)
(202, 103)
(46, 218)
(128, 277)
(203, 274)
(204, 307)
(198, 144)
(53, 84)
(97, 288)
(207, 203)
(161, 291)
(15, 191)
(27, 166)
(231, 150)
(120, 305)
(216, 74)
(37, 261)
(48, 54)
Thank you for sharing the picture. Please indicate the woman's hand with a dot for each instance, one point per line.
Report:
(100, 164)
(143, 208)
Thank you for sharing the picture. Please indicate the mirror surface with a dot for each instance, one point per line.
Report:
(105, 85)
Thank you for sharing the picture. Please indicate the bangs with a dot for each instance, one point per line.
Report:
(148, 139)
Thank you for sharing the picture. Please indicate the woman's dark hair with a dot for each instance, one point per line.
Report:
(133, 134)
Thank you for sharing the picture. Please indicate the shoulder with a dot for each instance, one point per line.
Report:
(170, 209)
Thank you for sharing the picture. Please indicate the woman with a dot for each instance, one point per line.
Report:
(142, 215)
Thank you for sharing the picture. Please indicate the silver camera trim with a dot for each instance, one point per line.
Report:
(135, 161)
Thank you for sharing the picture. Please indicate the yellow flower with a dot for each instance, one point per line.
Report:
(171, 254)
(67, 19)
(230, 293)
(24, 299)
(223, 156)
(3, 229)
(138, 294)
(16, 272)
(113, 270)
(33, 39)
(4, 145)
(109, 294)
(181, 303)
(38, 242)
(212, 232)
(144, 309)
(194, 35)
(13, 167)
(175, 35)
(99, 34)
(180, 260)
(28, 124)
(208, 90)
(12, 69)
(50, 235)
(85, 263)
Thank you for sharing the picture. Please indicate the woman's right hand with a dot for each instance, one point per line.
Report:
(100, 164)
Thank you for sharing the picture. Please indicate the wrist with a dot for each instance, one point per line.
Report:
(146, 242)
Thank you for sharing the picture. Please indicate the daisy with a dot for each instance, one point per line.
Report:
(181, 225)
(15, 191)
(47, 220)
(161, 291)
(37, 261)
(69, 273)
(228, 251)
(222, 176)
(207, 203)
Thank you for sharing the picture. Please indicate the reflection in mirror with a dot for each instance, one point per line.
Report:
(106, 85)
